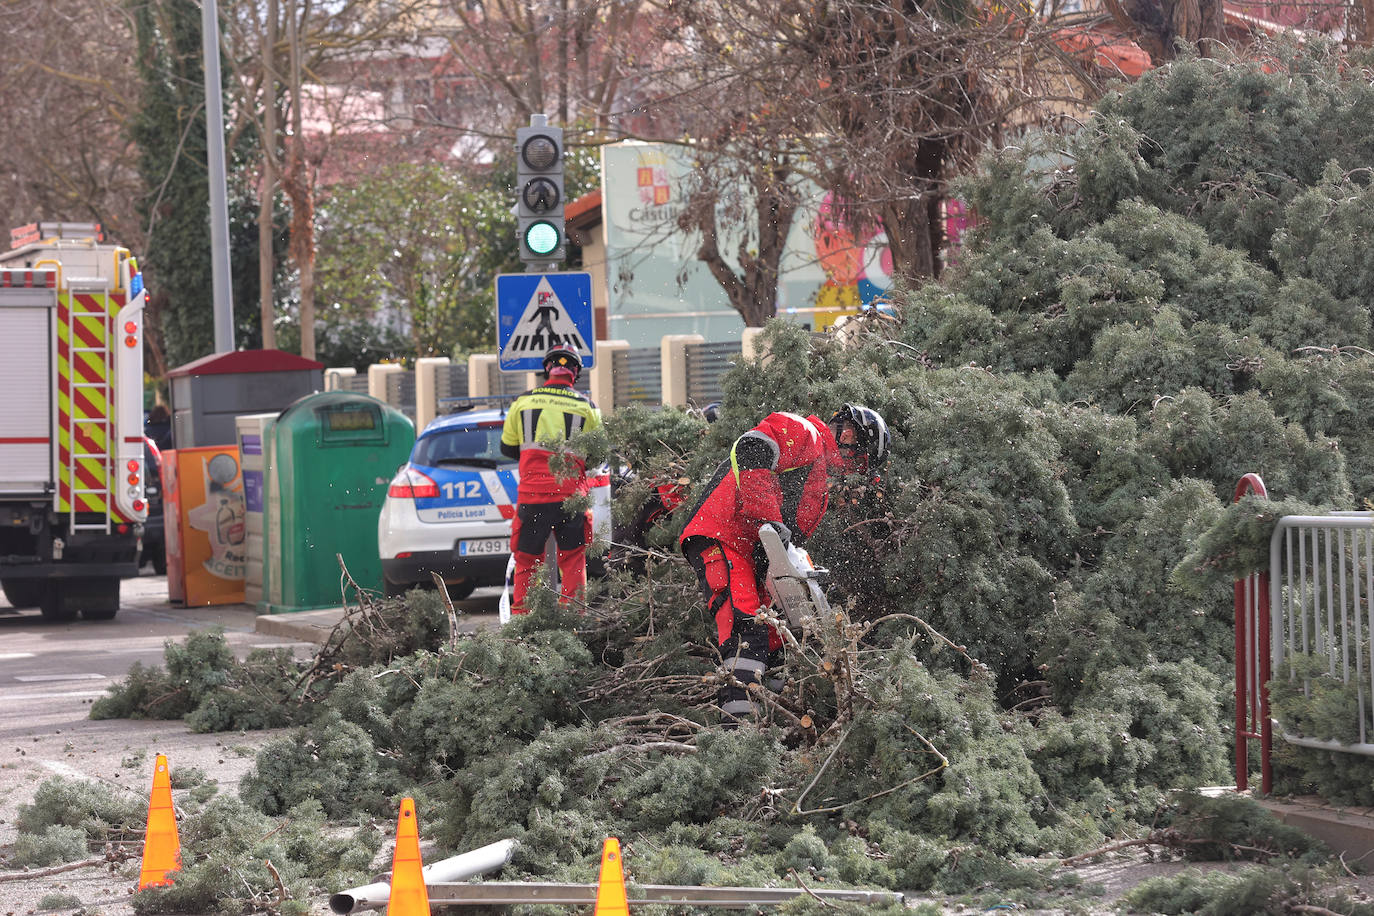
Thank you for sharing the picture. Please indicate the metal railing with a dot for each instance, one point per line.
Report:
(505, 384)
(1252, 663)
(1310, 617)
(355, 383)
(707, 364)
(400, 392)
(450, 381)
(1321, 577)
(638, 376)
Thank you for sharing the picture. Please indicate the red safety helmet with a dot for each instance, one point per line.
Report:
(565, 357)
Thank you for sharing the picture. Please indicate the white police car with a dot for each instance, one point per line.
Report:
(449, 508)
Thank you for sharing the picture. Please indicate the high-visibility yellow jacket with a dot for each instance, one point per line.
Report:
(549, 414)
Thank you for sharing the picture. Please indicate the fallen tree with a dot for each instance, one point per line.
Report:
(1031, 647)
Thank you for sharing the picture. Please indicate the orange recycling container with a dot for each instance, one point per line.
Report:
(204, 511)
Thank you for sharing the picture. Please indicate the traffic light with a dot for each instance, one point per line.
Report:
(539, 192)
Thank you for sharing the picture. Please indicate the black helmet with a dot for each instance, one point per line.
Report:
(872, 437)
(563, 356)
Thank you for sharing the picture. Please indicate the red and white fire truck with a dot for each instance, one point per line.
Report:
(72, 499)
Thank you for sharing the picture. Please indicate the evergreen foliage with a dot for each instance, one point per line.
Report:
(206, 685)
(1250, 892)
(250, 862)
(80, 805)
(55, 845)
(171, 104)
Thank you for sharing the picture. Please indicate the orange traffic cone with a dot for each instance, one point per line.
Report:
(408, 894)
(610, 887)
(161, 848)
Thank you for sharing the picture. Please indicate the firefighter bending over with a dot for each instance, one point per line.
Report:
(544, 416)
(776, 474)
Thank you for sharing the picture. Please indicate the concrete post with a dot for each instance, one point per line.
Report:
(603, 373)
(336, 379)
(426, 397)
(376, 378)
(480, 368)
(673, 366)
(751, 346)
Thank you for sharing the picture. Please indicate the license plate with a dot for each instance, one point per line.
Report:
(483, 547)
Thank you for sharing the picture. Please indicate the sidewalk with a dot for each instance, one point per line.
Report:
(148, 594)
(474, 613)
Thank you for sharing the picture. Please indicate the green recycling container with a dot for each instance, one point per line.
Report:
(329, 459)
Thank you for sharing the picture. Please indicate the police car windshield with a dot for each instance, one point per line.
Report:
(476, 447)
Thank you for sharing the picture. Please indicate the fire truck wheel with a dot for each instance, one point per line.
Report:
(54, 605)
(23, 592)
(98, 598)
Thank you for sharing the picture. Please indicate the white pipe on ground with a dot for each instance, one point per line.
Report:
(457, 868)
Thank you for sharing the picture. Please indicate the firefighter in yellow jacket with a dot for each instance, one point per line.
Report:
(552, 413)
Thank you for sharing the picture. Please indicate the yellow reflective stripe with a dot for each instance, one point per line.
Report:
(551, 409)
(86, 405)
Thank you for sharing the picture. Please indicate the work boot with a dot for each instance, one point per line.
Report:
(772, 676)
(744, 655)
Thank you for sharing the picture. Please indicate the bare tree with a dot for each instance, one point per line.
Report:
(289, 55)
(583, 62)
(881, 101)
(754, 202)
(66, 156)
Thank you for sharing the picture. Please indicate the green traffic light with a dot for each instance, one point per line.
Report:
(542, 237)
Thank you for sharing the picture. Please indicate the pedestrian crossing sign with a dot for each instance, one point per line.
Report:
(538, 311)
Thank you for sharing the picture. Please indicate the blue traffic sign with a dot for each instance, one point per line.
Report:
(536, 312)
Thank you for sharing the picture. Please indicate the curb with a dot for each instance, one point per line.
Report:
(1348, 831)
(304, 626)
(315, 626)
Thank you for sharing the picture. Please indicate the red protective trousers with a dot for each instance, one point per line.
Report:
(731, 583)
(529, 536)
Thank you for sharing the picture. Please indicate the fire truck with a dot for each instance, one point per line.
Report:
(72, 501)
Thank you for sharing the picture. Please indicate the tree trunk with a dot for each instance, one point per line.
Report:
(915, 241)
(753, 292)
(1156, 24)
(915, 231)
(298, 186)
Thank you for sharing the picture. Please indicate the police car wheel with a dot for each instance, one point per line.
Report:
(457, 591)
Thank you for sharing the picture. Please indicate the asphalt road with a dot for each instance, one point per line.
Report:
(50, 674)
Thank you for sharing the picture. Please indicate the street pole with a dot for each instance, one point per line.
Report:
(219, 202)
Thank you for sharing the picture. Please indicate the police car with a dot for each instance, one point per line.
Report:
(449, 508)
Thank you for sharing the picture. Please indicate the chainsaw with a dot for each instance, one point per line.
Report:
(795, 583)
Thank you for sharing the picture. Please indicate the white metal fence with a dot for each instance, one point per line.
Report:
(1321, 578)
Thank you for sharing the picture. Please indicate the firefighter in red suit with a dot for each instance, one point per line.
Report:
(549, 415)
(776, 474)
